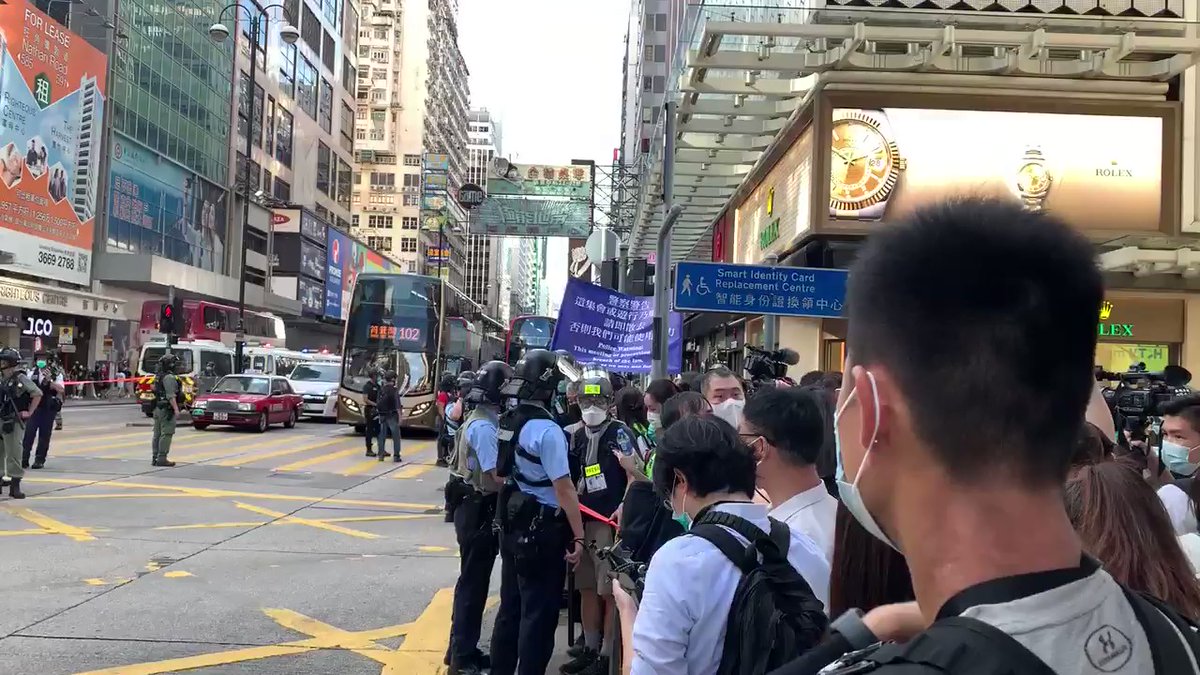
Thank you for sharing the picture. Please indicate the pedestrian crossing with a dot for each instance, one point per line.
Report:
(306, 449)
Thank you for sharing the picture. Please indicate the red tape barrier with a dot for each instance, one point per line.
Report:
(588, 512)
(120, 379)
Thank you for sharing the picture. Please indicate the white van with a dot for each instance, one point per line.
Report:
(273, 360)
(201, 363)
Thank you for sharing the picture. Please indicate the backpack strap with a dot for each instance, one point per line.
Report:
(960, 644)
(744, 557)
(1164, 629)
(782, 536)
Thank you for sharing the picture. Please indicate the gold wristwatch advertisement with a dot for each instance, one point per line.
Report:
(1097, 172)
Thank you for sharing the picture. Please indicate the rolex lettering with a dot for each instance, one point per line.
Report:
(1033, 179)
(865, 164)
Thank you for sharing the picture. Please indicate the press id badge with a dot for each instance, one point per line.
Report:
(593, 479)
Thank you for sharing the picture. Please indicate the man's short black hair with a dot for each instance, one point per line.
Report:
(683, 404)
(661, 389)
(986, 315)
(790, 419)
(713, 373)
(708, 452)
(811, 377)
(1187, 407)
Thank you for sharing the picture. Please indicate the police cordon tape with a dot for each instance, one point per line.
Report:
(144, 378)
(588, 512)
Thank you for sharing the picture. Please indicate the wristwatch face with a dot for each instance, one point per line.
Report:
(864, 167)
(1033, 179)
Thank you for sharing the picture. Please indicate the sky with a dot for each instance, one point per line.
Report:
(550, 70)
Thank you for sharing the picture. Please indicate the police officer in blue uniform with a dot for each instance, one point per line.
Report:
(474, 462)
(539, 519)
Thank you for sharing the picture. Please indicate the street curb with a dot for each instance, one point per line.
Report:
(67, 405)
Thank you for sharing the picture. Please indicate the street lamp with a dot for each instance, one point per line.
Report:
(219, 32)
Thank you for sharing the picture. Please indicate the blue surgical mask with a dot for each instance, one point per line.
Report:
(849, 492)
(1175, 456)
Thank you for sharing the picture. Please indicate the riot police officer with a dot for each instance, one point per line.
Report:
(474, 457)
(538, 514)
(48, 415)
(18, 399)
(168, 397)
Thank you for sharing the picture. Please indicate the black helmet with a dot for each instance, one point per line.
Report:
(168, 362)
(489, 382)
(9, 357)
(535, 378)
(466, 379)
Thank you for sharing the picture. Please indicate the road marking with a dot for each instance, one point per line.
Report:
(50, 525)
(353, 519)
(432, 549)
(95, 581)
(412, 471)
(319, 459)
(177, 574)
(209, 493)
(240, 461)
(361, 467)
(319, 524)
(421, 653)
(185, 444)
(59, 440)
(226, 451)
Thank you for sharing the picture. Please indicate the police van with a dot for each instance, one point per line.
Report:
(201, 364)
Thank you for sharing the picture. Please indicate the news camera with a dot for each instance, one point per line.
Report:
(769, 366)
(1139, 395)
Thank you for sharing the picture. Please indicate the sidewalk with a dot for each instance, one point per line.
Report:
(94, 402)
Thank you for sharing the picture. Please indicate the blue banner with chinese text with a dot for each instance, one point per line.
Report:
(602, 327)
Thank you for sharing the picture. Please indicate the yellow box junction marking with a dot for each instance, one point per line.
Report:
(319, 524)
(49, 525)
(320, 459)
(353, 519)
(95, 581)
(177, 574)
(425, 642)
(303, 447)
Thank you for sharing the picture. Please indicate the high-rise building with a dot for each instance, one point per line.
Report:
(482, 254)
(412, 102)
(650, 41)
(87, 150)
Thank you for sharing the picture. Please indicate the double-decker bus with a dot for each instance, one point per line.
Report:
(204, 320)
(416, 326)
(528, 332)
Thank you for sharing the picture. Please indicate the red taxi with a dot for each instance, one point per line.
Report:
(256, 401)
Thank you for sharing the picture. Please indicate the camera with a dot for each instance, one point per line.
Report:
(630, 574)
(769, 367)
(1139, 395)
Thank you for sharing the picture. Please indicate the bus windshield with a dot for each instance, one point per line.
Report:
(529, 332)
(393, 326)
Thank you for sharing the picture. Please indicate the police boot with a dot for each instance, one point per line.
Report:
(163, 462)
(469, 669)
(14, 489)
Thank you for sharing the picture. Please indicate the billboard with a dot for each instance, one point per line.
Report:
(346, 259)
(539, 180)
(1096, 172)
(52, 85)
(157, 207)
(531, 218)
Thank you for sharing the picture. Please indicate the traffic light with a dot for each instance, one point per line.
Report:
(166, 319)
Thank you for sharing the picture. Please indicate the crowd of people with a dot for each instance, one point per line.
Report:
(976, 512)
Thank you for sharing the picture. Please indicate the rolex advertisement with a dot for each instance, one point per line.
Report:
(1097, 172)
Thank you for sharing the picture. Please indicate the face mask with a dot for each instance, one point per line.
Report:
(849, 492)
(730, 410)
(594, 417)
(655, 420)
(681, 516)
(41, 364)
(1175, 456)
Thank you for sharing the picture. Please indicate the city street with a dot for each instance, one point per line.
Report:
(284, 552)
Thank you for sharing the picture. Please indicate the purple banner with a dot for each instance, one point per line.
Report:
(612, 330)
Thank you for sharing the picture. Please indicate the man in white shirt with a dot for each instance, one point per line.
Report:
(785, 428)
(689, 589)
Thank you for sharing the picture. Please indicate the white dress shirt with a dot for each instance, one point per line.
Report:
(813, 512)
(680, 625)
(1179, 508)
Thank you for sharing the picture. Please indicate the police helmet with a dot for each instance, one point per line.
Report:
(536, 376)
(9, 358)
(466, 379)
(595, 388)
(489, 382)
(167, 362)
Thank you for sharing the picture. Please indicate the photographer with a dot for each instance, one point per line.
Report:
(966, 476)
(1180, 455)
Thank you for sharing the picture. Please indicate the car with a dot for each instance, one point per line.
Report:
(317, 384)
(256, 401)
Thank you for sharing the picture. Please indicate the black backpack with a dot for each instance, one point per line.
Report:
(774, 616)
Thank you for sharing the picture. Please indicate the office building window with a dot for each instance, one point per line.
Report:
(660, 22)
(287, 70)
(648, 54)
(310, 30)
(380, 179)
(412, 266)
(412, 180)
(380, 243)
(325, 107)
(379, 221)
(344, 172)
(283, 137)
(306, 86)
(349, 75)
(647, 82)
(324, 166)
(270, 120)
(361, 114)
(412, 160)
(360, 134)
(660, 53)
(411, 200)
(354, 220)
(347, 127)
(257, 130)
(282, 190)
(328, 50)
(408, 223)
(408, 244)
(660, 82)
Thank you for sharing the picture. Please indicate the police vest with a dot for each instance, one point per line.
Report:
(160, 391)
(602, 495)
(464, 453)
(508, 448)
(17, 396)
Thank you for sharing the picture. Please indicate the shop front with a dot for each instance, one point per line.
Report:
(76, 326)
(1142, 329)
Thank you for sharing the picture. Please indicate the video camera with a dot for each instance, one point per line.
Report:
(766, 366)
(1139, 395)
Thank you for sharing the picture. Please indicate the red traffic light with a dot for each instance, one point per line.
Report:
(167, 311)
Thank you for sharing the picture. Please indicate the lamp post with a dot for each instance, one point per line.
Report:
(219, 32)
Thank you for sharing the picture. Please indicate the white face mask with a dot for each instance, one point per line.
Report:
(655, 419)
(594, 416)
(849, 492)
(730, 410)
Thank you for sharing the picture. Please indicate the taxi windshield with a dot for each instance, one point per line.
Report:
(242, 385)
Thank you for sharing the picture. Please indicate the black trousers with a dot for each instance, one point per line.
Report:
(372, 428)
(40, 426)
(531, 590)
(478, 546)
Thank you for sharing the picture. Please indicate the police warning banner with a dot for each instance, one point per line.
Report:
(602, 327)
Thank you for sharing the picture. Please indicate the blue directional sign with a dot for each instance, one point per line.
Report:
(757, 289)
